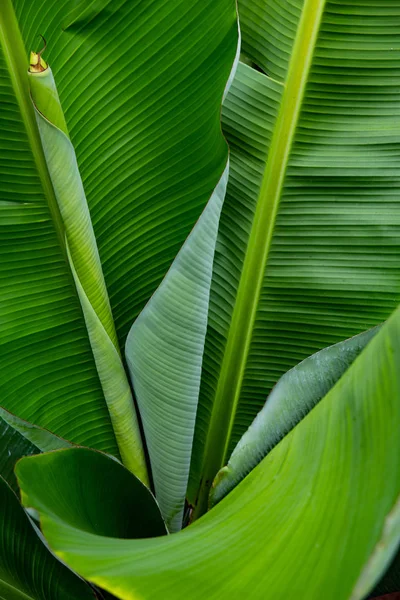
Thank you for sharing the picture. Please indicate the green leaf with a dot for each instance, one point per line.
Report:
(84, 261)
(164, 350)
(140, 85)
(308, 243)
(19, 438)
(83, 476)
(317, 518)
(28, 571)
(82, 13)
(295, 394)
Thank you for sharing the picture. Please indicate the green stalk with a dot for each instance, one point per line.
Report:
(15, 57)
(241, 329)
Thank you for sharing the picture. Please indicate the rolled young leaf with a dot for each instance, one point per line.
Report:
(83, 256)
(295, 394)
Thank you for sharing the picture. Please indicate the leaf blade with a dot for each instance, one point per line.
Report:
(19, 543)
(335, 233)
(295, 394)
(164, 350)
(309, 490)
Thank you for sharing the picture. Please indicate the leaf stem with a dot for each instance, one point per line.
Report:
(15, 56)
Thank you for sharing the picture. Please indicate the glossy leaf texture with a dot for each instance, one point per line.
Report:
(308, 245)
(141, 85)
(19, 438)
(324, 502)
(82, 477)
(28, 571)
(295, 394)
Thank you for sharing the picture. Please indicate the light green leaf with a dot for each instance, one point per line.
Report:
(43, 440)
(304, 523)
(141, 86)
(308, 243)
(20, 549)
(164, 350)
(84, 261)
(295, 394)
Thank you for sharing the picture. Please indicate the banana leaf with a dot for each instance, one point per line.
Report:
(21, 548)
(318, 517)
(308, 241)
(141, 102)
(19, 438)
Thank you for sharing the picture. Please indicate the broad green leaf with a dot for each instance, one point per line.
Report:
(317, 518)
(126, 507)
(164, 351)
(19, 438)
(140, 84)
(308, 243)
(83, 12)
(295, 394)
(28, 571)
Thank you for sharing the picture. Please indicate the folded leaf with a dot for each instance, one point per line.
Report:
(308, 243)
(143, 115)
(28, 571)
(295, 394)
(84, 260)
(100, 495)
(19, 438)
(164, 351)
(317, 518)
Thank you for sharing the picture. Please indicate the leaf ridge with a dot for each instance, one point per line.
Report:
(239, 335)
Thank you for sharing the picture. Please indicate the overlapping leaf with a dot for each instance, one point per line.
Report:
(318, 517)
(19, 438)
(295, 394)
(141, 85)
(127, 508)
(28, 571)
(308, 241)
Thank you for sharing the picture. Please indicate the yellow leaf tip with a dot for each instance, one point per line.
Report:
(36, 63)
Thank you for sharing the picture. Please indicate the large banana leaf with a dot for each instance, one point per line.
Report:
(28, 571)
(141, 84)
(308, 244)
(319, 517)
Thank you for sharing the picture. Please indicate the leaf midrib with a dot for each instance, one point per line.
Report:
(241, 328)
(16, 59)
